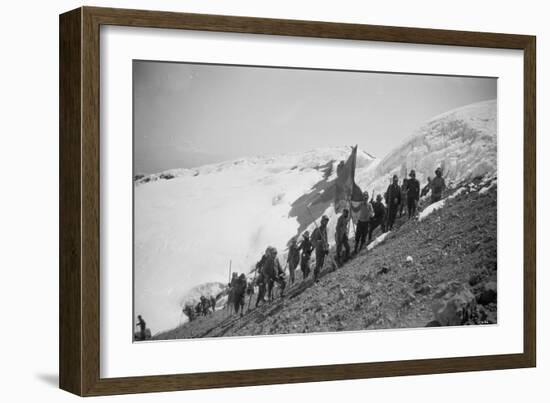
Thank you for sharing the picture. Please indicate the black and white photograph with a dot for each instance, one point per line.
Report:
(276, 200)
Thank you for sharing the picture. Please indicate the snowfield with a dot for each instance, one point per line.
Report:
(189, 223)
(188, 227)
(431, 208)
(378, 240)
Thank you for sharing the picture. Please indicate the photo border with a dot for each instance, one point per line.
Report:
(80, 187)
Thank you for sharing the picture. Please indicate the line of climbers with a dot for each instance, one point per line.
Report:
(372, 214)
(204, 307)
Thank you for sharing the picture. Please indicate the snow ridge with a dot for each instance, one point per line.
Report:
(462, 142)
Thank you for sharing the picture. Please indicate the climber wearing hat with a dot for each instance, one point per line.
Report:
(366, 213)
(379, 216)
(293, 258)
(341, 236)
(261, 280)
(142, 325)
(306, 247)
(393, 200)
(272, 272)
(437, 185)
(413, 193)
(319, 241)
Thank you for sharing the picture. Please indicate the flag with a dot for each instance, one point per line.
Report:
(347, 194)
(342, 191)
(355, 202)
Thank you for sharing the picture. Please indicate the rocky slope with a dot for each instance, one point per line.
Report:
(189, 223)
(451, 279)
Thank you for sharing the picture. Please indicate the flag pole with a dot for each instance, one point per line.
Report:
(352, 189)
(229, 293)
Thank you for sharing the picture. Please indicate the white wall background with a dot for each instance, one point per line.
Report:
(29, 198)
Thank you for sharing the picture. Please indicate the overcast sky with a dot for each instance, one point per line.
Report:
(188, 115)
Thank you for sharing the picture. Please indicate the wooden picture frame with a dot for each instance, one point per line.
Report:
(79, 280)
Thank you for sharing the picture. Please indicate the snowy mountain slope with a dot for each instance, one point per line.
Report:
(211, 289)
(382, 288)
(190, 223)
(462, 141)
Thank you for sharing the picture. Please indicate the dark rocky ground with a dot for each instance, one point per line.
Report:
(450, 281)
